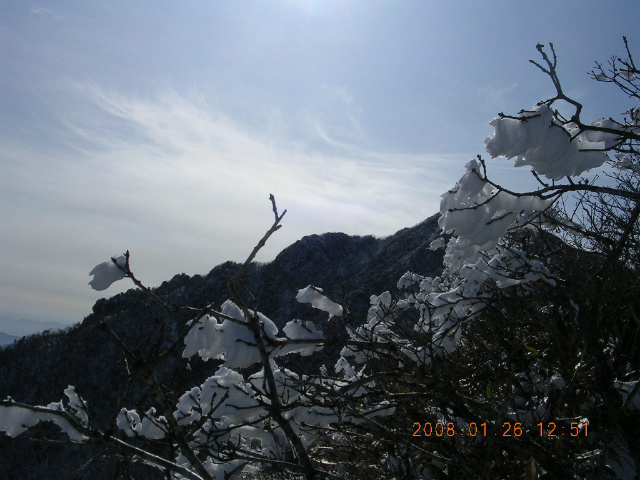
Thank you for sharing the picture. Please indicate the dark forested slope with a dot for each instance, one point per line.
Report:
(37, 369)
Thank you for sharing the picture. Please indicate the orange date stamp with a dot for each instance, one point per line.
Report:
(508, 429)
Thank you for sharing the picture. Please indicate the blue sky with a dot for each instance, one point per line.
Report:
(162, 127)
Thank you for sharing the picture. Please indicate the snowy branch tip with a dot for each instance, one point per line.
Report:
(317, 299)
(108, 272)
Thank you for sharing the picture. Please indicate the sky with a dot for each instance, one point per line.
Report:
(161, 127)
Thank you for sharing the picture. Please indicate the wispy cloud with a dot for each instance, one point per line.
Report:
(45, 12)
(179, 143)
(344, 113)
(497, 96)
(185, 187)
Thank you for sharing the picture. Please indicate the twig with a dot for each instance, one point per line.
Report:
(276, 225)
(254, 324)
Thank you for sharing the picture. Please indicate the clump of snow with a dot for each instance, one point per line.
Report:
(409, 279)
(230, 340)
(437, 244)
(536, 139)
(627, 389)
(627, 74)
(557, 381)
(76, 405)
(627, 162)
(479, 216)
(223, 395)
(314, 296)
(15, 419)
(107, 272)
(300, 330)
(150, 426)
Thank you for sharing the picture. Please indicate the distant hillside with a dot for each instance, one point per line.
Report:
(20, 326)
(36, 369)
(7, 339)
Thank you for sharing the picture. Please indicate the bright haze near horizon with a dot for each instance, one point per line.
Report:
(162, 127)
